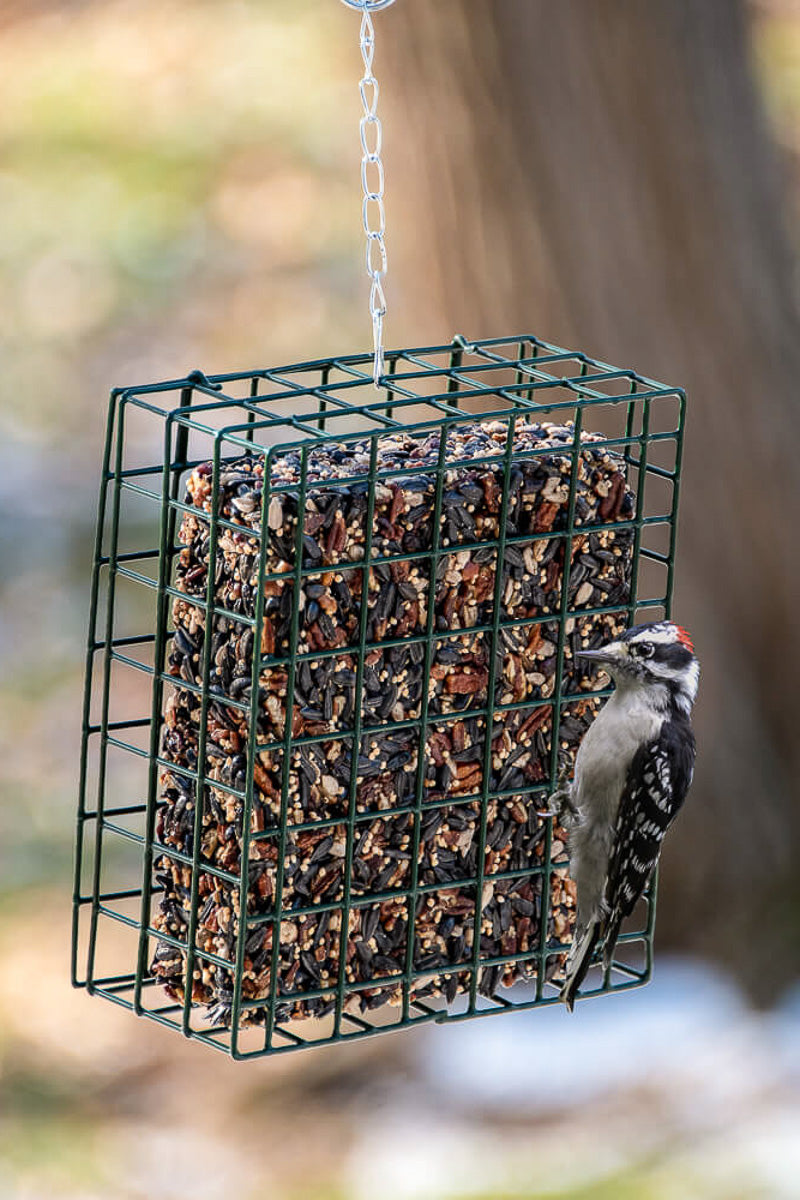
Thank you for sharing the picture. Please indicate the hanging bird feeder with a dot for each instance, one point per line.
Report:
(331, 676)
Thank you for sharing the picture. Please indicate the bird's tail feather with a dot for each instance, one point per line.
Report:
(579, 964)
(610, 943)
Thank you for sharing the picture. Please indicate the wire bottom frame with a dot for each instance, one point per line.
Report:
(157, 435)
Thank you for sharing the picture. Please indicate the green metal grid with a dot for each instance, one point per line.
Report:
(199, 419)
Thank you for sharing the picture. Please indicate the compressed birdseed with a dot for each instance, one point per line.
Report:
(326, 704)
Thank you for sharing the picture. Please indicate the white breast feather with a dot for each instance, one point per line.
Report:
(606, 752)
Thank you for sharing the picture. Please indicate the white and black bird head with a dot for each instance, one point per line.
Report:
(658, 657)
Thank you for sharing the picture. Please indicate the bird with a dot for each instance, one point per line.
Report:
(632, 772)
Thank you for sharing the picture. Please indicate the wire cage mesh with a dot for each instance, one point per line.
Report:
(311, 601)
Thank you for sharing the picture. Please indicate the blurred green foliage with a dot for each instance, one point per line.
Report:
(178, 187)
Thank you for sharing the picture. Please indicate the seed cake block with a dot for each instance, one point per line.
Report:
(386, 771)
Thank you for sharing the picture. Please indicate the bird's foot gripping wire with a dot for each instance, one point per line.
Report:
(560, 803)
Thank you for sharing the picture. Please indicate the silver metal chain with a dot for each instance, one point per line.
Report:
(372, 179)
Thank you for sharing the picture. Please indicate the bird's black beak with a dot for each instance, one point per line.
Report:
(600, 656)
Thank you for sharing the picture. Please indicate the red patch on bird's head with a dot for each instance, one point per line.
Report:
(684, 638)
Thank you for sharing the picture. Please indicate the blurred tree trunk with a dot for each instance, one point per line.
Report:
(597, 172)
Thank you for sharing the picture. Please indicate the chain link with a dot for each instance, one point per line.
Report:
(372, 180)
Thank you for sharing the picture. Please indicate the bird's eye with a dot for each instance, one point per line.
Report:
(646, 649)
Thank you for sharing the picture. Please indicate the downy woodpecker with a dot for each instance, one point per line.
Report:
(632, 772)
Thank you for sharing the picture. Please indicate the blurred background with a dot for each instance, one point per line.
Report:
(179, 188)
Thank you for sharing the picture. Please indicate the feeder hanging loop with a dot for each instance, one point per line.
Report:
(368, 5)
(372, 179)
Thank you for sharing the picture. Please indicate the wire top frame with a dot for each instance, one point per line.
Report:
(157, 436)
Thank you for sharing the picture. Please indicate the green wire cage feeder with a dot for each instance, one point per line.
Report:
(332, 677)
(331, 681)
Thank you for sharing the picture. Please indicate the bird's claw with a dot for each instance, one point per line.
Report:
(560, 804)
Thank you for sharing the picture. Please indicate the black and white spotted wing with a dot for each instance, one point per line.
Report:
(658, 780)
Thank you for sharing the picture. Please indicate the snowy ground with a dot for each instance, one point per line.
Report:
(680, 1080)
